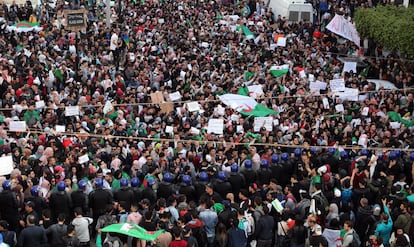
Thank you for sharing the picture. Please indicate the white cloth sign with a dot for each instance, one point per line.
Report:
(6, 166)
(71, 111)
(17, 126)
(341, 26)
(215, 126)
(337, 85)
(260, 122)
(194, 131)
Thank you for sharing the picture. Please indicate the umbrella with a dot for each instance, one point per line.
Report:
(133, 230)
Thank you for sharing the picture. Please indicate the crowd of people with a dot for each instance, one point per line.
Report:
(318, 176)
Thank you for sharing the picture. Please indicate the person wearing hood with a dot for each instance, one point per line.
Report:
(333, 213)
(332, 233)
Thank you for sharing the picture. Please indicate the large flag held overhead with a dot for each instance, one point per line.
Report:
(253, 91)
(249, 34)
(246, 105)
(24, 26)
(133, 230)
(280, 70)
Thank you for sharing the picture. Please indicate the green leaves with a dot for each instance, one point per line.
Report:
(389, 26)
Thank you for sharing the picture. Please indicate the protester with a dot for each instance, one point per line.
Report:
(136, 110)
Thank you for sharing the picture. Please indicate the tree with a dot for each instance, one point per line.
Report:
(389, 26)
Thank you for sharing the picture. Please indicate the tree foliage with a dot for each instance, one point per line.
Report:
(389, 26)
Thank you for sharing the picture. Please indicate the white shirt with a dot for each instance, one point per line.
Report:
(114, 42)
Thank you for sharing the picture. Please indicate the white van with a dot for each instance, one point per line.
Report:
(293, 10)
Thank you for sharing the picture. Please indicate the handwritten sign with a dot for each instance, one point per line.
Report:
(71, 111)
(17, 126)
(337, 85)
(40, 104)
(215, 126)
(317, 85)
(175, 96)
(260, 122)
(350, 94)
(60, 128)
(169, 129)
(83, 159)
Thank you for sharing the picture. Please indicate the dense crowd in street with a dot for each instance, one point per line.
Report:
(106, 139)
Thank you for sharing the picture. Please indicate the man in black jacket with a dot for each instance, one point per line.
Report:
(264, 229)
(32, 235)
(9, 206)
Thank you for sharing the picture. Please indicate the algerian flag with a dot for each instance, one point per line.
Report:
(278, 71)
(246, 105)
(249, 34)
(24, 26)
(133, 230)
(253, 91)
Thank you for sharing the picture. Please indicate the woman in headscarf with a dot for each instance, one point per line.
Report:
(333, 213)
(46, 155)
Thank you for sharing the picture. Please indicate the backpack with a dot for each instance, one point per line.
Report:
(356, 241)
(112, 242)
(346, 196)
(321, 203)
(200, 234)
(251, 224)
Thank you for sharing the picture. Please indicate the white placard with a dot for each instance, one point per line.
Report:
(302, 74)
(71, 111)
(317, 85)
(6, 165)
(362, 97)
(281, 41)
(60, 128)
(311, 77)
(215, 126)
(169, 129)
(83, 159)
(325, 103)
(193, 106)
(17, 126)
(339, 108)
(194, 131)
(161, 21)
(40, 104)
(205, 44)
(273, 47)
(239, 128)
(350, 66)
(250, 23)
(260, 122)
(175, 96)
(337, 85)
(345, 28)
(365, 111)
(395, 125)
(27, 53)
(350, 94)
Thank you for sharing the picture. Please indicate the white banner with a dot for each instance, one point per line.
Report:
(341, 26)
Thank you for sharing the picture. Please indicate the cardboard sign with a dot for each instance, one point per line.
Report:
(157, 98)
(75, 19)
